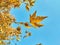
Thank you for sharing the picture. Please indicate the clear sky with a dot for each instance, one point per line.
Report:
(49, 34)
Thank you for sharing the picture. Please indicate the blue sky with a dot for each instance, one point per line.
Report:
(49, 34)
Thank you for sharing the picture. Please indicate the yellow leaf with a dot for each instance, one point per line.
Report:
(35, 20)
(32, 2)
(27, 7)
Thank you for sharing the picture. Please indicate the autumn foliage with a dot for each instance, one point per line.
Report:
(6, 20)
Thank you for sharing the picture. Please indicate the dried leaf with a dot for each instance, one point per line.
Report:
(27, 25)
(18, 28)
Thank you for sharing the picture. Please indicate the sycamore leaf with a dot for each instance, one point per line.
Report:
(35, 20)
